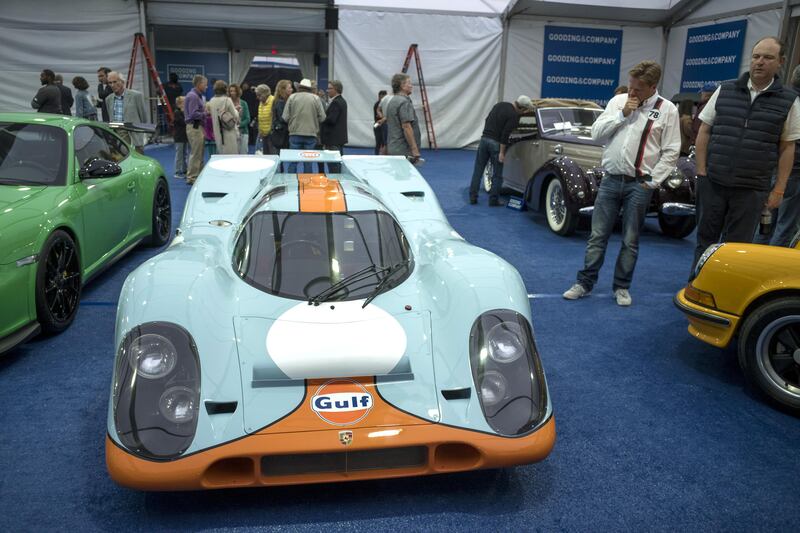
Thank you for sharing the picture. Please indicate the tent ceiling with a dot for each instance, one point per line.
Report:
(303, 16)
(656, 12)
(189, 38)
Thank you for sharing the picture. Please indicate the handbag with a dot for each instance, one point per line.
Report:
(280, 138)
(227, 120)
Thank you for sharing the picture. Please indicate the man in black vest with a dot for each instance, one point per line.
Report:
(749, 130)
(333, 130)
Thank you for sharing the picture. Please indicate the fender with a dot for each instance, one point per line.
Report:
(581, 188)
(685, 193)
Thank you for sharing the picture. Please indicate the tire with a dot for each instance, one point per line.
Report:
(488, 172)
(161, 220)
(58, 283)
(676, 226)
(560, 219)
(769, 351)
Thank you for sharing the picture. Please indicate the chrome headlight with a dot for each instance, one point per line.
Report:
(675, 179)
(507, 372)
(157, 390)
(705, 257)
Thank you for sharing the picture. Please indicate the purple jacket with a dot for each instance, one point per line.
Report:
(194, 106)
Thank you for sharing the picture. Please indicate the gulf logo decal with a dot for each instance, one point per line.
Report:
(309, 155)
(341, 402)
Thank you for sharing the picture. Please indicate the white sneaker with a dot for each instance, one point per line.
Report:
(623, 297)
(576, 291)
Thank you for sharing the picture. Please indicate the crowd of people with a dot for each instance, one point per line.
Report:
(743, 131)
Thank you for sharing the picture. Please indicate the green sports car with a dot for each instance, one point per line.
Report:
(74, 197)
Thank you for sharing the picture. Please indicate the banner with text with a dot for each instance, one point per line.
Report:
(713, 54)
(581, 63)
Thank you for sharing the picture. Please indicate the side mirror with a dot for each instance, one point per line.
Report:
(99, 168)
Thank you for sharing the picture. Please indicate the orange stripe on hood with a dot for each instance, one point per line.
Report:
(320, 194)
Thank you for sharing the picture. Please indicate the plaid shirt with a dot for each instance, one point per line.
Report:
(116, 116)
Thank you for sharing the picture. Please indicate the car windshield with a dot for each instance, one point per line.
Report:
(567, 120)
(299, 255)
(32, 154)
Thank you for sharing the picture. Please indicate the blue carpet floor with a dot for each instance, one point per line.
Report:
(656, 431)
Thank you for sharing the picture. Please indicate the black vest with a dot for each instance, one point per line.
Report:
(743, 151)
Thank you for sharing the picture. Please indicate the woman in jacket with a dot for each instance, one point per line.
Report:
(280, 129)
(244, 116)
(224, 120)
(83, 105)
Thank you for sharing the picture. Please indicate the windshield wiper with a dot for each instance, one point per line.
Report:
(361, 275)
(390, 272)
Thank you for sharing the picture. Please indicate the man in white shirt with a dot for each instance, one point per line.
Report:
(748, 135)
(642, 135)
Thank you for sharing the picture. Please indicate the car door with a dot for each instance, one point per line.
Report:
(107, 203)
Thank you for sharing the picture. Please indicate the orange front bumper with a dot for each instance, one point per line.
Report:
(239, 463)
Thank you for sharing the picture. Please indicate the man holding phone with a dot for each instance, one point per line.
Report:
(642, 135)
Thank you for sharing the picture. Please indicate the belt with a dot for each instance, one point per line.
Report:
(623, 177)
(629, 179)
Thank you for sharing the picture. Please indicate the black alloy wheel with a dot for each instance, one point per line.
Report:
(162, 215)
(58, 283)
(769, 351)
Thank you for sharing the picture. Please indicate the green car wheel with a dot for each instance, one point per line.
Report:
(162, 215)
(58, 283)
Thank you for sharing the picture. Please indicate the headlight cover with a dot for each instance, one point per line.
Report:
(705, 257)
(675, 179)
(507, 372)
(157, 390)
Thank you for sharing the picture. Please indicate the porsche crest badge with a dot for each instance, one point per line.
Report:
(346, 438)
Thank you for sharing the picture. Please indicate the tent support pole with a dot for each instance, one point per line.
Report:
(501, 85)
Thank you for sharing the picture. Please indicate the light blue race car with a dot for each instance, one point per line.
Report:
(321, 327)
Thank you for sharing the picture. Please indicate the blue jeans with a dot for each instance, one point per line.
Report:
(634, 199)
(785, 219)
(180, 159)
(301, 142)
(487, 149)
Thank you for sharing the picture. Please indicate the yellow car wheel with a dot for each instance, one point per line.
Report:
(769, 350)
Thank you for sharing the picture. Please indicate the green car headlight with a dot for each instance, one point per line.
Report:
(157, 390)
(507, 372)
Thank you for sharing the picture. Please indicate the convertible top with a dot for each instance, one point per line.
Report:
(564, 102)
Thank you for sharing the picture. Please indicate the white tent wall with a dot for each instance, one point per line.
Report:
(69, 38)
(460, 58)
(760, 24)
(526, 48)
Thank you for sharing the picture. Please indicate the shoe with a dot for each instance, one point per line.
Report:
(494, 202)
(623, 297)
(576, 291)
(473, 199)
(179, 177)
(190, 181)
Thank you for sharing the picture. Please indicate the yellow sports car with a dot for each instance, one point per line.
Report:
(752, 291)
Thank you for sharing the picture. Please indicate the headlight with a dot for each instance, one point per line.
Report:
(507, 372)
(675, 180)
(505, 342)
(153, 356)
(157, 390)
(706, 255)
